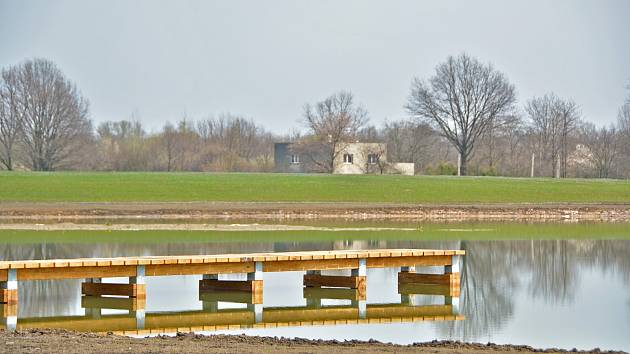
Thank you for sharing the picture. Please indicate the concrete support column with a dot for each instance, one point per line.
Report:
(361, 271)
(454, 302)
(139, 278)
(361, 305)
(454, 267)
(10, 322)
(257, 274)
(140, 315)
(258, 311)
(139, 282)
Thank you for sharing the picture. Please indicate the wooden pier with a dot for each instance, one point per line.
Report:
(132, 295)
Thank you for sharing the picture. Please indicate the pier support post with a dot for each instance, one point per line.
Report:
(450, 277)
(9, 300)
(258, 311)
(454, 302)
(136, 287)
(361, 305)
(9, 288)
(236, 288)
(10, 321)
(356, 280)
(140, 315)
(92, 312)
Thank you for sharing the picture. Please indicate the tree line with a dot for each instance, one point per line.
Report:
(464, 119)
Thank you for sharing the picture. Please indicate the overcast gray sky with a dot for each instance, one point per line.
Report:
(266, 59)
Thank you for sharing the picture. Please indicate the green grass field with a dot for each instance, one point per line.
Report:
(424, 232)
(260, 187)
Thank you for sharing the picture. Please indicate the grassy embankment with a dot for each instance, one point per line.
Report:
(258, 187)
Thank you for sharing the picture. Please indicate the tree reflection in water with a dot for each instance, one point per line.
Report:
(493, 271)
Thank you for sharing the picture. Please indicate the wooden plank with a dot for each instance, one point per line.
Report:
(3, 274)
(9, 297)
(114, 303)
(230, 285)
(352, 282)
(98, 289)
(333, 293)
(423, 261)
(323, 264)
(76, 272)
(80, 323)
(398, 310)
(199, 318)
(7, 310)
(448, 279)
(243, 297)
(428, 289)
(198, 268)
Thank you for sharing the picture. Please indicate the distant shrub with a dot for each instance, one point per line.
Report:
(443, 168)
(490, 171)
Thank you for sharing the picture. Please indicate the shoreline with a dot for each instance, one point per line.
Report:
(61, 341)
(61, 211)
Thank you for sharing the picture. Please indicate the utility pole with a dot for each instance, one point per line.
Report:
(533, 161)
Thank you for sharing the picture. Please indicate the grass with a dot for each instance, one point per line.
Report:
(267, 187)
(425, 232)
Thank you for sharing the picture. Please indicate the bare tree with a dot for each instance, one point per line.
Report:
(553, 120)
(603, 146)
(10, 118)
(169, 141)
(124, 145)
(235, 143)
(54, 113)
(623, 126)
(462, 99)
(332, 123)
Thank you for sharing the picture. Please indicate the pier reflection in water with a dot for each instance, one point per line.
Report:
(511, 291)
(214, 315)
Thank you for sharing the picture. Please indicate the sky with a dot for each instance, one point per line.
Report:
(159, 61)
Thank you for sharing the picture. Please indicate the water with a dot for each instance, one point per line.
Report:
(542, 292)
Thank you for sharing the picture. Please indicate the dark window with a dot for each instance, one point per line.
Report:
(295, 158)
(348, 158)
(372, 159)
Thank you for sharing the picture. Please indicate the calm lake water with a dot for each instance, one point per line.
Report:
(544, 292)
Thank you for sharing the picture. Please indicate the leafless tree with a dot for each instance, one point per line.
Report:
(124, 145)
(169, 142)
(412, 141)
(10, 118)
(553, 120)
(462, 99)
(54, 113)
(332, 123)
(603, 146)
(623, 127)
(235, 143)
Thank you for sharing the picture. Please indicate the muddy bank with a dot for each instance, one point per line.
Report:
(331, 211)
(59, 341)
